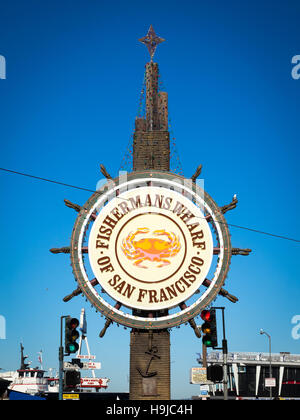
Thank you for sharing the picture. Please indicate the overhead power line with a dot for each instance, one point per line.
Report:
(93, 191)
(46, 179)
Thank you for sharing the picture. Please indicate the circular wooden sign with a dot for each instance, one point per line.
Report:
(152, 239)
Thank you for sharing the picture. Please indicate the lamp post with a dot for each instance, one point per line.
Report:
(270, 369)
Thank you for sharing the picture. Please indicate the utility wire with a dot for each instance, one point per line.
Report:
(46, 179)
(263, 233)
(93, 191)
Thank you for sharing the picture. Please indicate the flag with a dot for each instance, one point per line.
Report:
(40, 358)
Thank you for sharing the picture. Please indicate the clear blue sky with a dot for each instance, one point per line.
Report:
(74, 74)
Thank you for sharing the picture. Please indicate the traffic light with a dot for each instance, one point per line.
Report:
(72, 378)
(71, 335)
(209, 328)
(215, 373)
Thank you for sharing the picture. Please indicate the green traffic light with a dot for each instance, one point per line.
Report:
(72, 347)
(71, 335)
(207, 341)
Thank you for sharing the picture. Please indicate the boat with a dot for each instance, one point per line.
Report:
(27, 380)
(33, 383)
(28, 383)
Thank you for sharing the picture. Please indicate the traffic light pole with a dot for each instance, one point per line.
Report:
(224, 349)
(61, 359)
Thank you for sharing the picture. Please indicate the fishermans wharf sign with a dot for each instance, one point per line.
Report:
(151, 240)
(150, 248)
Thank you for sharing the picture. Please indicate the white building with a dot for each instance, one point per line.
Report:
(247, 373)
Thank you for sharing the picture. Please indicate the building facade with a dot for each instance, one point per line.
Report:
(247, 373)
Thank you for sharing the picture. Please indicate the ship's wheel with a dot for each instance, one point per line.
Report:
(151, 250)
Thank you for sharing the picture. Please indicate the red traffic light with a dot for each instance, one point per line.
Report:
(209, 328)
(206, 315)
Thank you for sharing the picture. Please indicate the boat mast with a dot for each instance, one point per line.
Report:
(23, 358)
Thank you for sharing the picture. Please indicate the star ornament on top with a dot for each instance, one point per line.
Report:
(151, 40)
